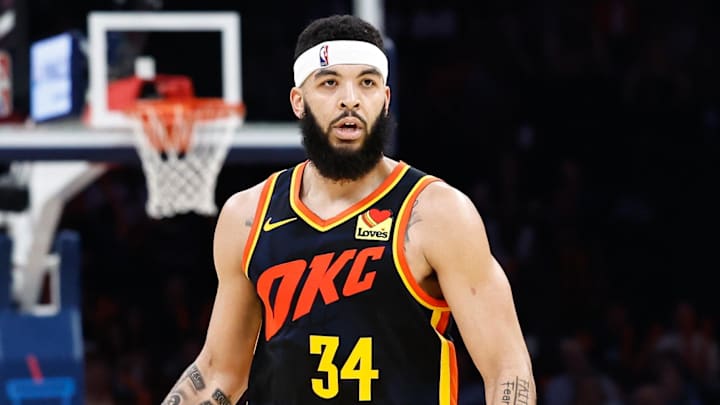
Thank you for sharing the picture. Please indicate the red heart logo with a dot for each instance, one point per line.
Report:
(379, 215)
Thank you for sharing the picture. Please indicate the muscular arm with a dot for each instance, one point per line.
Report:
(455, 245)
(219, 375)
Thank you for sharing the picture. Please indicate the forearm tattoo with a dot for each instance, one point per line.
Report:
(175, 397)
(196, 378)
(220, 398)
(515, 392)
(178, 397)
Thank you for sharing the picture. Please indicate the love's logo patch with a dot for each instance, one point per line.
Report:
(374, 224)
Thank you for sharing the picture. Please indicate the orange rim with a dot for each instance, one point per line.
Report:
(169, 123)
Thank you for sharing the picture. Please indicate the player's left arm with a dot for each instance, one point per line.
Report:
(455, 244)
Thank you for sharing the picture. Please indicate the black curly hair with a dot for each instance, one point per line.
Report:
(337, 27)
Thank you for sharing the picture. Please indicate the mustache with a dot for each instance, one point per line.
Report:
(348, 113)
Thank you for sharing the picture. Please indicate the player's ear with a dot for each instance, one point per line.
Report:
(296, 102)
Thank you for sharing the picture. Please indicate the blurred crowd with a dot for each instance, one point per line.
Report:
(587, 134)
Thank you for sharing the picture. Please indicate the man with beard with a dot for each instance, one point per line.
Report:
(339, 278)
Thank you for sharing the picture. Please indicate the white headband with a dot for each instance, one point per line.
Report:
(332, 53)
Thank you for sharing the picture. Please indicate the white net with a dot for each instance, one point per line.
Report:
(183, 147)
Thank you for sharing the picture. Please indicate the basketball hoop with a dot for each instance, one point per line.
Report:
(182, 144)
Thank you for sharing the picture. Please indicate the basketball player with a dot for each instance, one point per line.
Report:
(339, 277)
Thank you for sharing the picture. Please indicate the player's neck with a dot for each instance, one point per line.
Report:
(318, 191)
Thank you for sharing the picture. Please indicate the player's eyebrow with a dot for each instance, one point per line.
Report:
(332, 72)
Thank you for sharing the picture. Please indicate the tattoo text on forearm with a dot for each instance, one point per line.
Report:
(515, 392)
(178, 397)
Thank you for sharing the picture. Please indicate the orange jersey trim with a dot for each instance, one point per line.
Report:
(260, 211)
(323, 225)
(401, 263)
(440, 320)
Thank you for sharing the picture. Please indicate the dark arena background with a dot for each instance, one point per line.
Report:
(586, 132)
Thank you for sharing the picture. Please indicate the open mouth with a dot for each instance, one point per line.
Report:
(348, 130)
(348, 126)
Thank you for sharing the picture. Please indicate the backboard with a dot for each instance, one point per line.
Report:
(102, 26)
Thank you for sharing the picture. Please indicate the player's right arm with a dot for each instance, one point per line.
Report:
(219, 375)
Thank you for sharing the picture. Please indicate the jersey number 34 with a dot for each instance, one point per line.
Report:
(358, 366)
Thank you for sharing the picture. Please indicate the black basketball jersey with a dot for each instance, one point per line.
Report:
(344, 321)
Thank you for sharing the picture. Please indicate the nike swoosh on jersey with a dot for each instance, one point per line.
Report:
(269, 225)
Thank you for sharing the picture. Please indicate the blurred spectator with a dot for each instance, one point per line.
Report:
(98, 381)
(591, 390)
(693, 344)
(710, 375)
(616, 338)
(578, 380)
(132, 378)
(677, 385)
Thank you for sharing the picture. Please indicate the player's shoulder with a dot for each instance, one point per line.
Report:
(439, 191)
(443, 201)
(244, 198)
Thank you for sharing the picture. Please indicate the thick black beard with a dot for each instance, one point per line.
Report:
(341, 163)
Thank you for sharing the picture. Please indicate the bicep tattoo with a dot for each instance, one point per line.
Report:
(414, 219)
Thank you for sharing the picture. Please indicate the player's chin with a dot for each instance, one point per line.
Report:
(348, 146)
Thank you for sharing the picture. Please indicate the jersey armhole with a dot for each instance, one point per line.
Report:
(260, 211)
(401, 264)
